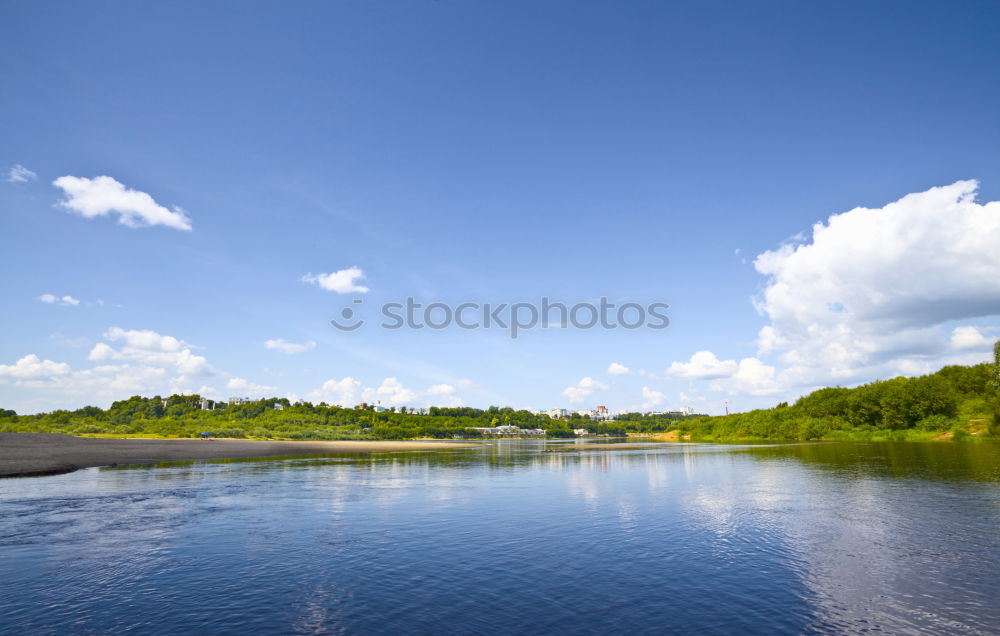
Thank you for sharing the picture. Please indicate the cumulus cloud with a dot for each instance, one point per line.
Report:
(102, 195)
(128, 362)
(583, 389)
(617, 369)
(751, 377)
(964, 338)
(703, 365)
(289, 347)
(249, 388)
(31, 367)
(20, 174)
(651, 398)
(344, 281)
(105, 382)
(52, 299)
(343, 392)
(871, 288)
(150, 348)
(102, 383)
(391, 393)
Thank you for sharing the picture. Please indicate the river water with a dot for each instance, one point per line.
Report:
(515, 537)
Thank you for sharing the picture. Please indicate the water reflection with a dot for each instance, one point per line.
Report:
(514, 537)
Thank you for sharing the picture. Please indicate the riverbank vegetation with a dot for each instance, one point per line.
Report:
(277, 418)
(956, 403)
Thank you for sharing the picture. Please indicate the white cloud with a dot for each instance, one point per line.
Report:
(704, 365)
(751, 377)
(87, 386)
(343, 392)
(31, 367)
(342, 282)
(144, 362)
(963, 338)
(687, 399)
(289, 347)
(583, 389)
(102, 195)
(20, 174)
(151, 348)
(391, 393)
(52, 299)
(105, 382)
(871, 289)
(249, 388)
(617, 369)
(64, 340)
(651, 398)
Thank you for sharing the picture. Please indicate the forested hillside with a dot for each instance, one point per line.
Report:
(956, 402)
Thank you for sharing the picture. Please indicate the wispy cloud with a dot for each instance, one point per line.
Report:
(651, 398)
(289, 347)
(52, 299)
(249, 388)
(20, 174)
(103, 195)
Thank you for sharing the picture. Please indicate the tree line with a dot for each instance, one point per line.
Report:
(277, 418)
(956, 402)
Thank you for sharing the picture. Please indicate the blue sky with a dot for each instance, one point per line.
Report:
(495, 152)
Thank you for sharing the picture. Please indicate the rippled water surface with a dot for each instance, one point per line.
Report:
(527, 537)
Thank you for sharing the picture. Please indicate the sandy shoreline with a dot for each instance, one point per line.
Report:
(31, 454)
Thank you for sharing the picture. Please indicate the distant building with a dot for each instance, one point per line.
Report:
(235, 401)
(581, 432)
(279, 406)
(206, 404)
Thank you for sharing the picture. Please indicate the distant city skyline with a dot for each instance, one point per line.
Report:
(188, 202)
